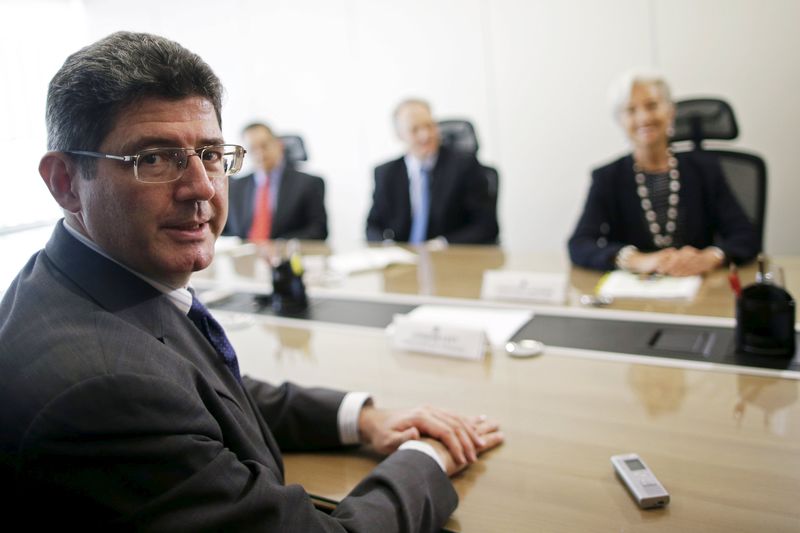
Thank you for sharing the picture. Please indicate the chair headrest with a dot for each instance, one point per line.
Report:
(459, 135)
(704, 118)
(294, 149)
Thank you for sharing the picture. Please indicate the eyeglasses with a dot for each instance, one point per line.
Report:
(163, 165)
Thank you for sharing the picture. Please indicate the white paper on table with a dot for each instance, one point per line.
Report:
(370, 259)
(622, 284)
(498, 324)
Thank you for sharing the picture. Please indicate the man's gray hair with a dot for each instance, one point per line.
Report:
(96, 83)
(407, 102)
(620, 91)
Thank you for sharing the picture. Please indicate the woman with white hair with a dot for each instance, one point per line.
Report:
(653, 211)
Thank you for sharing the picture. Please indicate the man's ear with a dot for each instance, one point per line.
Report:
(60, 173)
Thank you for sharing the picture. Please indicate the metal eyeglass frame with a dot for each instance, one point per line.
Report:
(238, 149)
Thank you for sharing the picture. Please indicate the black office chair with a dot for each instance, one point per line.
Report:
(700, 119)
(459, 135)
(294, 149)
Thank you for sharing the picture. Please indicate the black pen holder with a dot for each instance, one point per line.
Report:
(765, 321)
(289, 291)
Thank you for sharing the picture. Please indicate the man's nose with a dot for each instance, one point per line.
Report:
(643, 115)
(195, 183)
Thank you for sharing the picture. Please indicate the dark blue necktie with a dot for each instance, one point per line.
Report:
(212, 331)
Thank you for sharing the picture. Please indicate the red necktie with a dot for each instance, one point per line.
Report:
(262, 217)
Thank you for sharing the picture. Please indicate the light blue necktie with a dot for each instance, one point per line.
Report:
(419, 225)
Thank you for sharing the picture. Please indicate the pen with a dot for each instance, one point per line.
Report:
(733, 279)
(781, 281)
(761, 268)
(653, 276)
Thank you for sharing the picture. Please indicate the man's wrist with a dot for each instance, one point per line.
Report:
(349, 415)
(425, 448)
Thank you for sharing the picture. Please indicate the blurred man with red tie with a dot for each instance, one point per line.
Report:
(276, 201)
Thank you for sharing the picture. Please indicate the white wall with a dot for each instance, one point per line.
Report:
(33, 45)
(750, 52)
(532, 75)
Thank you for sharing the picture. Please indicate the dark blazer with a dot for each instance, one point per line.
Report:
(299, 214)
(117, 414)
(708, 214)
(460, 206)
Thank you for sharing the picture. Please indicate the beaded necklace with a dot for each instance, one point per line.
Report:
(662, 237)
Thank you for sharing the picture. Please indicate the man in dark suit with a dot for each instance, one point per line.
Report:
(295, 201)
(123, 403)
(431, 192)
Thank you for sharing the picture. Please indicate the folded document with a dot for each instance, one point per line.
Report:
(621, 284)
(370, 259)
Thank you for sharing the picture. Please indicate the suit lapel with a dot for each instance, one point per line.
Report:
(246, 203)
(137, 302)
(632, 203)
(402, 199)
(441, 182)
(287, 194)
(126, 295)
(105, 282)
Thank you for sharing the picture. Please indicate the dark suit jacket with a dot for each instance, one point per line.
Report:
(708, 214)
(299, 214)
(118, 414)
(460, 206)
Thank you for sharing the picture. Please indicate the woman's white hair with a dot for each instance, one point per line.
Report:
(619, 93)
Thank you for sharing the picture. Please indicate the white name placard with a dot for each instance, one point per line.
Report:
(439, 339)
(539, 287)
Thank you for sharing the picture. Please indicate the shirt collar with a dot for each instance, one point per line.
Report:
(275, 174)
(179, 296)
(418, 164)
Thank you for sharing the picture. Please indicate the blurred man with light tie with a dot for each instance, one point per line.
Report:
(432, 192)
(123, 404)
(276, 201)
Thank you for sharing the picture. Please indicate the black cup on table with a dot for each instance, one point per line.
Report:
(765, 321)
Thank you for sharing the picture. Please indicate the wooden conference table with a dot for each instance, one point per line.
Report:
(724, 441)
